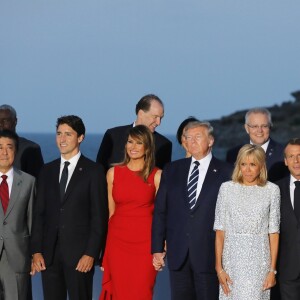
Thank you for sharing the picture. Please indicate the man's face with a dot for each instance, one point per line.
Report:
(258, 128)
(152, 117)
(292, 159)
(7, 153)
(67, 141)
(6, 120)
(198, 141)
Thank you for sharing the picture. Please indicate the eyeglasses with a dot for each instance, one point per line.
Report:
(256, 127)
(191, 137)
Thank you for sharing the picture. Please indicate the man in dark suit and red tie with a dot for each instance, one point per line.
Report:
(184, 216)
(149, 112)
(258, 124)
(289, 245)
(70, 217)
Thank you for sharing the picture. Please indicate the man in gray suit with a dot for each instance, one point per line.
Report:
(17, 191)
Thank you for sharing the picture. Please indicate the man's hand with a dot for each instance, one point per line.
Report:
(85, 264)
(37, 263)
(158, 261)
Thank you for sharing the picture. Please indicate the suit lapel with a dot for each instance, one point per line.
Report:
(286, 198)
(15, 190)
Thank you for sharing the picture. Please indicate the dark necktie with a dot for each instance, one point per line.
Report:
(4, 193)
(63, 180)
(297, 199)
(192, 185)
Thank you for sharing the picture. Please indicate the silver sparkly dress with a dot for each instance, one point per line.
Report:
(247, 214)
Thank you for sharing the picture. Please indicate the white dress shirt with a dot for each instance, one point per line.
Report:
(9, 179)
(73, 162)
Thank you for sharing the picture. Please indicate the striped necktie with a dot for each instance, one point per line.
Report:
(192, 185)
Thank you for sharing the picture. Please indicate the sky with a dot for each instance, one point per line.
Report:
(96, 58)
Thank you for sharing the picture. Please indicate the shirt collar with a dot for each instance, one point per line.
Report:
(204, 162)
(264, 146)
(72, 161)
(9, 173)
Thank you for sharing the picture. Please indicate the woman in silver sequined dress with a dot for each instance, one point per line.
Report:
(247, 229)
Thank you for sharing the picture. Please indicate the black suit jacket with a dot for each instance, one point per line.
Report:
(79, 221)
(288, 264)
(274, 160)
(187, 231)
(113, 146)
(29, 157)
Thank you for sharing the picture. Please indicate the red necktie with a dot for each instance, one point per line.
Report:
(4, 195)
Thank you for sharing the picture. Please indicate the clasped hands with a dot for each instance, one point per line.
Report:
(158, 261)
(84, 264)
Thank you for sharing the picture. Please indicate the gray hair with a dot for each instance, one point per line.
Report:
(11, 110)
(194, 124)
(259, 110)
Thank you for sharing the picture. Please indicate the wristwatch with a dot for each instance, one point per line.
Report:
(274, 271)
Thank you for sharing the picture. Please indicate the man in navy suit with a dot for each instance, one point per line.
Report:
(70, 217)
(258, 124)
(149, 112)
(289, 245)
(186, 226)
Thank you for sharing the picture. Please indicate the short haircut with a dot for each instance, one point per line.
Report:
(293, 141)
(197, 123)
(11, 110)
(5, 133)
(182, 126)
(74, 122)
(259, 157)
(259, 110)
(145, 103)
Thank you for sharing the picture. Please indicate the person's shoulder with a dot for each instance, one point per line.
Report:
(27, 143)
(162, 138)
(221, 163)
(283, 181)
(276, 144)
(118, 129)
(272, 186)
(24, 175)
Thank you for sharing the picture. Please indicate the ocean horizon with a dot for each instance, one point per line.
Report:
(89, 148)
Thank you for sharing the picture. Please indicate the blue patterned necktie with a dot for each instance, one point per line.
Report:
(192, 185)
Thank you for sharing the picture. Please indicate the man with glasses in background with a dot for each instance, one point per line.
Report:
(258, 124)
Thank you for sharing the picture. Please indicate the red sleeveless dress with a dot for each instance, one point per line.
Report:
(128, 271)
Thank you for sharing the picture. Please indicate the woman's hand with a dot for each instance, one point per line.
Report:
(224, 281)
(270, 281)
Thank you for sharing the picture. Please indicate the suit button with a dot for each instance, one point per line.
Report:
(1, 238)
(4, 223)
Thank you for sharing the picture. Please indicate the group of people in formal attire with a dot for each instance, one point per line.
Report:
(225, 229)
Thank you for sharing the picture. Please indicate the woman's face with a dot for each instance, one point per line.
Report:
(250, 170)
(135, 148)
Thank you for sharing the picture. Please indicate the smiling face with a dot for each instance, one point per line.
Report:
(151, 118)
(292, 159)
(258, 128)
(68, 141)
(135, 148)
(7, 153)
(250, 170)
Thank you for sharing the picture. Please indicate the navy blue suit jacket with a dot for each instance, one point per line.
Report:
(187, 231)
(274, 160)
(113, 146)
(288, 264)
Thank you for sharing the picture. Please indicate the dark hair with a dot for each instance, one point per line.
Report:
(181, 127)
(145, 103)
(12, 111)
(293, 141)
(5, 133)
(142, 133)
(74, 122)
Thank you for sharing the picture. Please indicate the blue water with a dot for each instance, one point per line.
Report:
(89, 148)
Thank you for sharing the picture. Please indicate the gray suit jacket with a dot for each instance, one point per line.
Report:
(15, 225)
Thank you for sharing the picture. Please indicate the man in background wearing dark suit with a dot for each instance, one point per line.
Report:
(184, 216)
(70, 217)
(17, 193)
(289, 245)
(149, 112)
(29, 156)
(258, 123)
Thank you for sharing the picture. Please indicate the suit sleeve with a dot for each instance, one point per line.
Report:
(30, 205)
(160, 217)
(98, 213)
(274, 216)
(105, 150)
(32, 160)
(164, 155)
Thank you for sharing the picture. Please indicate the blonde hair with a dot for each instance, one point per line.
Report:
(143, 134)
(259, 157)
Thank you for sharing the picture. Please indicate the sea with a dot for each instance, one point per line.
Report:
(89, 148)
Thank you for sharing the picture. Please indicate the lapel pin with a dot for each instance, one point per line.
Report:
(215, 170)
(80, 169)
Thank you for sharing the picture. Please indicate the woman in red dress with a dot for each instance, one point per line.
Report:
(132, 185)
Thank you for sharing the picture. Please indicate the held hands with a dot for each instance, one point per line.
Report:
(37, 263)
(224, 281)
(85, 264)
(270, 281)
(158, 261)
